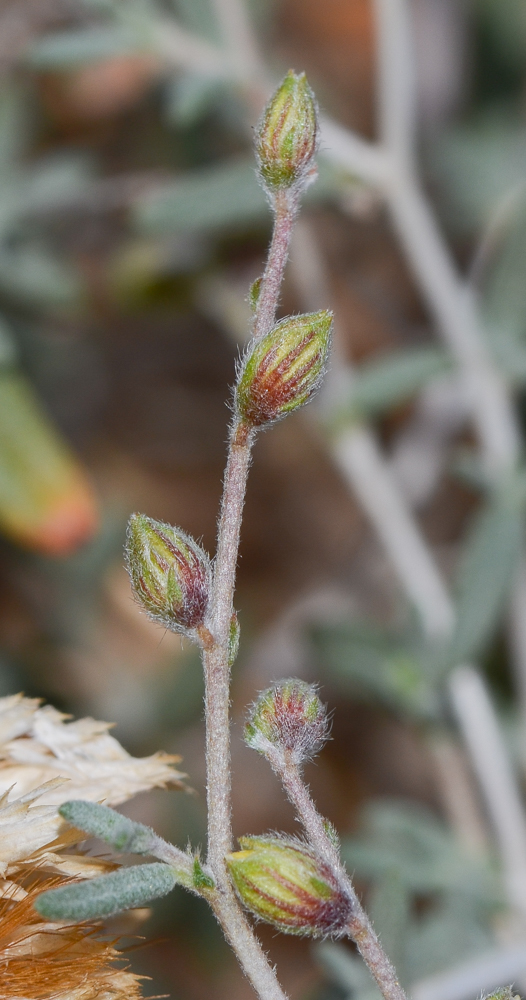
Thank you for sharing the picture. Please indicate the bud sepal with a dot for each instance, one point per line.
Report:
(288, 718)
(283, 370)
(281, 882)
(170, 574)
(286, 136)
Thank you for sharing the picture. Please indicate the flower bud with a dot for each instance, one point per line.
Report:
(283, 370)
(288, 717)
(170, 574)
(284, 884)
(287, 135)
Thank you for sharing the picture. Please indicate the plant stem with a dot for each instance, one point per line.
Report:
(284, 206)
(245, 945)
(359, 927)
(215, 640)
(215, 651)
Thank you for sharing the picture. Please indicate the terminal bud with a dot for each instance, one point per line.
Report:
(288, 718)
(284, 369)
(287, 135)
(282, 883)
(170, 574)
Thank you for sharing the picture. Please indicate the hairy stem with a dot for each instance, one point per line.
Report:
(359, 927)
(214, 638)
(284, 206)
(245, 945)
(215, 653)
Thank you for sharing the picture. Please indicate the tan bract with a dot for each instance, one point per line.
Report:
(44, 761)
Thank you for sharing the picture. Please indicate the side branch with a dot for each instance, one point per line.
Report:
(359, 927)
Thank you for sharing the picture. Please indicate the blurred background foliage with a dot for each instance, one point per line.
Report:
(131, 227)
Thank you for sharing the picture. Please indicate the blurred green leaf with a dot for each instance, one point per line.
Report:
(379, 385)
(226, 195)
(190, 97)
(375, 664)
(14, 125)
(30, 273)
(347, 970)
(477, 165)
(447, 934)
(55, 180)
(506, 20)
(65, 49)
(389, 910)
(197, 16)
(208, 198)
(408, 839)
(486, 572)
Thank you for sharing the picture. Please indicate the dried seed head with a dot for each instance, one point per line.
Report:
(281, 882)
(284, 369)
(288, 718)
(170, 574)
(287, 135)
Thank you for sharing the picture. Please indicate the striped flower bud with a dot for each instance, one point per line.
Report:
(284, 369)
(288, 718)
(287, 135)
(170, 574)
(282, 883)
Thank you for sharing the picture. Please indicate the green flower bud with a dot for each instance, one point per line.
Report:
(284, 369)
(282, 883)
(288, 718)
(170, 574)
(287, 135)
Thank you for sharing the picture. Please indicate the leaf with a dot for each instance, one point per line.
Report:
(375, 663)
(190, 97)
(101, 897)
(120, 832)
(224, 195)
(198, 16)
(381, 384)
(64, 49)
(347, 971)
(14, 125)
(208, 198)
(426, 856)
(486, 573)
(449, 933)
(30, 273)
(477, 165)
(389, 910)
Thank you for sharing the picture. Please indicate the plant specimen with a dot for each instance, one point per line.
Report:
(297, 885)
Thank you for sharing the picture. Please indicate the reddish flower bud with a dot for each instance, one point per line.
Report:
(284, 369)
(281, 882)
(287, 135)
(288, 717)
(170, 574)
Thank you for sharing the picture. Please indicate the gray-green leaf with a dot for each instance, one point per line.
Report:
(101, 897)
(120, 832)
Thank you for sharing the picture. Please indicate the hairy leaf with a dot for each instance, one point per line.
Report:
(101, 897)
